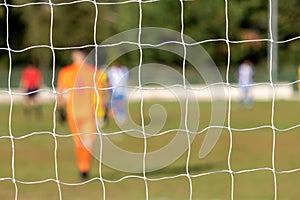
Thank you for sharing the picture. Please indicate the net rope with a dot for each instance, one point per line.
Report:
(141, 45)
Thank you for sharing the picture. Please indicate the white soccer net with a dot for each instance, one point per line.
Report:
(148, 168)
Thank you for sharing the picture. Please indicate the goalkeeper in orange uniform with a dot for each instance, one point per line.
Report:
(79, 113)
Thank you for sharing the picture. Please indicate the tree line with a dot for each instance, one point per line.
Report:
(68, 24)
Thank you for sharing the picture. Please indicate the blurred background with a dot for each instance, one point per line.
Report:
(72, 25)
(34, 30)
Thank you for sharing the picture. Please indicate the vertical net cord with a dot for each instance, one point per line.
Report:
(98, 99)
(186, 99)
(142, 97)
(55, 105)
(229, 100)
(11, 104)
(273, 98)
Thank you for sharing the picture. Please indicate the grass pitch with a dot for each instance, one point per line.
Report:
(250, 139)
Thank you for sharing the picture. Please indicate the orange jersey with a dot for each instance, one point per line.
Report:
(67, 76)
(82, 101)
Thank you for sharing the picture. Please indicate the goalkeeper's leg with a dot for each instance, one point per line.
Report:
(83, 145)
(84, 158)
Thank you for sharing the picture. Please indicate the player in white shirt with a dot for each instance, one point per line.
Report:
(245, 79)
(118, 76)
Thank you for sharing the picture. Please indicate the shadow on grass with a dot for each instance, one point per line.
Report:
(168, 171)
(196, 168)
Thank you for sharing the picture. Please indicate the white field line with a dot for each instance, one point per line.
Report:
(260, 92)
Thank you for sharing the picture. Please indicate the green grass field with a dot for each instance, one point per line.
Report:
(34, 158)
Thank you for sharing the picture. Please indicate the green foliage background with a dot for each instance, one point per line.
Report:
(72, 25)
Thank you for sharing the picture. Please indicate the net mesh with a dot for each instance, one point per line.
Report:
(228, 85)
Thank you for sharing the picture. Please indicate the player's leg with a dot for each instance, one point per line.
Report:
(83, 144)
(84, 159)
(119, 109)
(35, 103)
(27, 102)
(248, 98)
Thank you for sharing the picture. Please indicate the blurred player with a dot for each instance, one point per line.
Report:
(31, 80)
(101, 97)
(80, 108)
(118, 79)
(245, 79)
